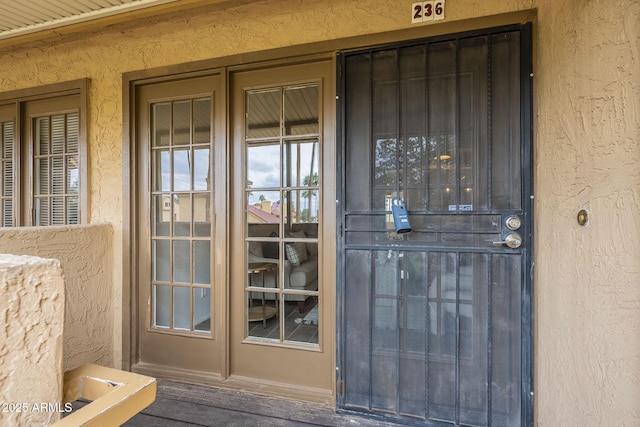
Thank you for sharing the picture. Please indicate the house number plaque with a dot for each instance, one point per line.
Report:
(426, 11)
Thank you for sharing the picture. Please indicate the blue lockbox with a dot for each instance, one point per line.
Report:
(400, 215)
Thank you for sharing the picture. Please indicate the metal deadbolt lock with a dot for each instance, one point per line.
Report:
(513, 240)
(513, 223)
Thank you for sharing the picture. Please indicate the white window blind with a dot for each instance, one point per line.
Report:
(6, 167)
(56, 183)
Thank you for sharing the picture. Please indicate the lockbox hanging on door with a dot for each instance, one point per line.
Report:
(400, 215)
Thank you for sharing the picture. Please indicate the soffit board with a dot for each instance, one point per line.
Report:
(22, 17)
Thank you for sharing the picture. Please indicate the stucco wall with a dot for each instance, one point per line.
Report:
(32, 311)
(587, 155)
(86, 256)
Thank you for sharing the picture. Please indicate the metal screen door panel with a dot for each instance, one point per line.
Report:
(436, 324)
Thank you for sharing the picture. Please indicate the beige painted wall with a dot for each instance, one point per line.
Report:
(86, 256)
(32, 302)
(587, 155)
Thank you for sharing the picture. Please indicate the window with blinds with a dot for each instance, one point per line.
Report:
(6, 173)
(55, 169)
(42, 147)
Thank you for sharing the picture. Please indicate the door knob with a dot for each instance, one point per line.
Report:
(512, 240)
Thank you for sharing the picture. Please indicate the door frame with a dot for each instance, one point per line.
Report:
(526, 155)
(125, 345)
(134, 160)
(221, 250)
(244, 349)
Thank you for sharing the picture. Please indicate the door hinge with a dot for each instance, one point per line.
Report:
(340, 388)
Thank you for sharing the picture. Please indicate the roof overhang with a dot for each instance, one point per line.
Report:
(22, 20)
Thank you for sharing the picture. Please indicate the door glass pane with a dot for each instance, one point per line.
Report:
(201, 169)
(302, 268)
(181, 174)
(162, 305)
(263, 165)
(302, 166)
(263, 308)
(301, 326)
(181, 307)
(202, 214)
(181, 122)
(161, 211)
(202, 121)
(181, 261)
(301, 106)
(181, 170)
(202, 261)
(161, 124)
(263, 318)
(282, 193)
(182, 215)
(161, 170)
(301, 206)
(263, 113)
(202, 309)
(263, 213)
(161, 254)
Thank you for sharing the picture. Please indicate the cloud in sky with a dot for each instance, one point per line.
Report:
(263, 166)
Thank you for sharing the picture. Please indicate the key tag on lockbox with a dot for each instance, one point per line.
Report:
(400, 215)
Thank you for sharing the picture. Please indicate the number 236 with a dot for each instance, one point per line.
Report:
(427, 11)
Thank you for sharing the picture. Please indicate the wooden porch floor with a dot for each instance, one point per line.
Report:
(182, 405)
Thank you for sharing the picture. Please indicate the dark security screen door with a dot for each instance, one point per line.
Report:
(436, 323)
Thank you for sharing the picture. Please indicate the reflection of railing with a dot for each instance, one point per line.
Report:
(116, 395)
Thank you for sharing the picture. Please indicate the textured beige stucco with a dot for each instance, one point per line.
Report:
(587, 155)
(86, 257)
(31, 327)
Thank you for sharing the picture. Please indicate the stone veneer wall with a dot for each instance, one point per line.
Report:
(32, 299)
